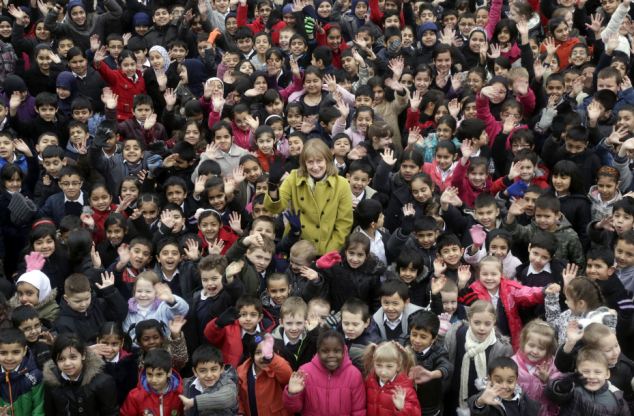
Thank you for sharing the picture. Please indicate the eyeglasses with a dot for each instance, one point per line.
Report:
(67, 184)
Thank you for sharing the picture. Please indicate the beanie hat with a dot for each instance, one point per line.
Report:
(424, 27)
(66, 80)
(141, 19)
(38, 280)
(22, 209)
(13, 83)
(287, 9)
(75, 3)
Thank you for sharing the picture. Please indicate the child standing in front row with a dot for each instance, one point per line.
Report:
(389, 390)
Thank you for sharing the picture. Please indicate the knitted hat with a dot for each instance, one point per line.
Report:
(424, 27)
(287, 9)
(141, 19)
(75, 3)
(38, 280)
(22, 209)
(13, 83)
(66, 80)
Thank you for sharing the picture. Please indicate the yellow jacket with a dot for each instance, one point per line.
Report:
(325, 212)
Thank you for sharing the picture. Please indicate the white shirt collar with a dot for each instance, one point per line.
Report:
(392, 324)
(257, 331)
(80, 199)
(383, 384)
(169, 279)
(115, 359)
(531, 269)
(288, 341)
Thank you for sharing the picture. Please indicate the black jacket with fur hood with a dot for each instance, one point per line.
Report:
(94, 393)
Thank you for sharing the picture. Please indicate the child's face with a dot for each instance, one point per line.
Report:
(623, 254)
(546, 219)
(625, 119)
(426, 238)
(211, 281)
(140, 255)
(28, 294)
(175, 194)
(449, 302)
(149, 211)
(70, 362)
(355, 256)
(266, 143)
(358, 181)
(144, 292)
(71, 186)
(505, 379)
(561, 32)
(477, 176)
(330, 353)
(216, 198)
(421, 191)
(386, 370)
(499, 248)
(142, 111)
(178, 53)
(113, 345)
(363, 121)
(209, 227)
(482, 324)
(14, 184)
(45, 246)
(393, 306)
(285, 39)
(575, 147)
(451, 254)
(259, 258)
(408, 273)
(150, 338)
(294, 326)
(536, 347)
(611, 348)
(81, 114)
(487, 216)
(298, 47)
(341, 147)
(169, 258)
(208, 373)
(530, 198)
(161, 17)
(276, 107)
(265, 228)
(115, 234)
(157, 378)
(115, 47)
(297, 262)
(31, 328)
(129, 189)
(598, 269)
(420, 339)
(259, 209)
(622, 221)
(6, 147)
(156, 60)
(353, 324)
(278, 290)
(262, 44)
(527, 170)
(538, 257)
(249, 318)
(318, 312)
(607, 187)
(100, 199)
(596, 374)
(78, 136)
(132, 151)
(79, 302)
(295, 144)
(490, 276)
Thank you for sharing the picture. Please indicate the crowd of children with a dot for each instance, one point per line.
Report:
(316, 207)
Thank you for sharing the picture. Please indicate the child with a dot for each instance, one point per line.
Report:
(498, 244)
(479, 338)
(133, 259)
(150, 334)
(605, 193)
(176, 267)
(143, 125)
(369, 217)
(441, 168)
(153, 300)
(535, 362)
(68, 202)
(389, 391)
(74, 380)
(81, 314)
(433, 369)
(588, 391)
(502, 392)
(21, 385)
(470, 175)
(121, 365)
(158, 390)
(507, 296)
(454, 311)
(330, 374)
(33, 288)
(359, 176)
(265, 146)
(298, 342)
(263, 377)
(235, 327)
(392, 319)
(38, 339)
(256, 261)
(277, 291)
(216, 237)
(212, 390)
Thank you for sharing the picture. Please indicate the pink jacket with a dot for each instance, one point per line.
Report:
(533, 386)
(433, 171)
(493, 126)
(340, 393)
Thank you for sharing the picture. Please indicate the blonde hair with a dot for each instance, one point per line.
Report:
(149, 276)
(517, 72)
(294, 306)
(594, 333)
(388, 351)
(316, 148)
(491, 259)
(480, 306)
(540, 327)
(304, 249)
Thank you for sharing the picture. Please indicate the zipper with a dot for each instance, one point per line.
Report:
(161, 405)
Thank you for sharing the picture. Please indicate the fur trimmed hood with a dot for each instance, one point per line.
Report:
(93, 365)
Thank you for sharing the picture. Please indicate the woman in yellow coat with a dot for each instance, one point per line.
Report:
(316, 192)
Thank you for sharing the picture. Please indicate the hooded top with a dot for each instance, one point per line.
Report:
(164, 54)
(196, 76)
(67, 81)
(38, 280)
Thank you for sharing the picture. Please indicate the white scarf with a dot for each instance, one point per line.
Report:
(475, 350)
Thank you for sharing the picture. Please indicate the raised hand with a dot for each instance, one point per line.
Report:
(15, 101)
(100, 55)
(217, 101)
(439, 267)
(187, 402)
(234, 268)
(107, 280)
(495, 51)
(437, 283)
(574, 332)
(464, 275)
(551, 47)
(408, 210)
(517, 207)
(191, 249)
(235, 222)
(490, 396)
(514, 171)
(95, 258)
(420, 375)
(95, 43)
(164, 293)
(397, 65)
(216, 247)
(388, 157)
(34, 261)
(167, 219)
(454, 107)
(466, 148)
(297, 382)
(569, 273)
(415, 100)
(398, 398)
(150, 121)
(176, 325)
(596, 23)
(308, 273)
(212, 151)
(552, 289)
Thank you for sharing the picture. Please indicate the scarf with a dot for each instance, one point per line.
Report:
(475, 350)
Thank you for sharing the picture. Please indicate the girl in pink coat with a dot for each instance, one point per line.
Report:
(329, 384)
(535, 361)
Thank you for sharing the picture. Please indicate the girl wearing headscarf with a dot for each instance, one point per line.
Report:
(66, 88)
(160, 65)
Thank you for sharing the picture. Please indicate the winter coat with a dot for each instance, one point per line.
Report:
(325, 211)
(513, 296)
(125, 373)
(124, 87)
(142, 400)
(379, 320)
(269, 387)
(430, 394)
(493, 126)
(304, 352)
(568, 245)
(221, 399)
(532, 386)
(22, 390)
(563, 51)
(601, 209)
(526, 406)
(47, 310)
(607, 401)
(337, 393)
(434, 171)
(158, 310)
(228, 339)
(94, 393)
(467, 192)
(577, 210)
(379, 398)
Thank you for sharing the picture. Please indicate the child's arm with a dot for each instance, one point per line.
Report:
(293, 396)
(357, 396)
(178, 349)
(117, 307)
(520, 232)
(129, 407)
(171, 305)
(225, 397)
(561, 390)
(281, 369)
(553, 310)
(494, 17)
(483, 112)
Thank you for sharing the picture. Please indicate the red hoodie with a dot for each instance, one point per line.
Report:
(142, 400)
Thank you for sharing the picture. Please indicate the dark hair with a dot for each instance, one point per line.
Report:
(7, 173)
(79, 244)
(626, 205)
(578, 134)
(12, 336)
(126, 53)
(206, 354)
(548, 202)
(627, 237)
(23, 313)
(363, 166)
(446, 240)
(323, 53)
(367, 212)
(409, 256)
(142, 99)
(526, 154)
(502, 362)
(64, 341)
(569, 168)
(394, 287)
(470, 129)
(357, 238)
(356, 306)
(424, 320)
(546, 241)
(247, 300)
(600, 253)
(45, 98)
(146, 325)
(158, 358)
(425, 223)
(485, 200)
(329, 333)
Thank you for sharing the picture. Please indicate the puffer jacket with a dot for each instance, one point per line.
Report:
(142, 400)
(47, 310)
(607, 401)
(379, 398)
(221, 399)
(22, 390)
(337, 393)
(94, 393)
(159, 310)
(269, 387)
(533, 386)
(513, 296)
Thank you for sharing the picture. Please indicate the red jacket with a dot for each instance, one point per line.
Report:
(124, 87)
(500, 184)
(100, 217)
(229, 339)
(433, 171)
(142, 400)
(269, 387)
(563, 52)
(513, 295)
(493, 126)
(466, 191)
(379, 398)
(225, 234)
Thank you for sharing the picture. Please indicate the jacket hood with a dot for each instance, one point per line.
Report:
(93, 365)
(14, 302)
(593, 195)
(173, 383)
(133, 305)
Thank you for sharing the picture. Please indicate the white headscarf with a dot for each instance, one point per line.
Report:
(38, 280)
(164, 54)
